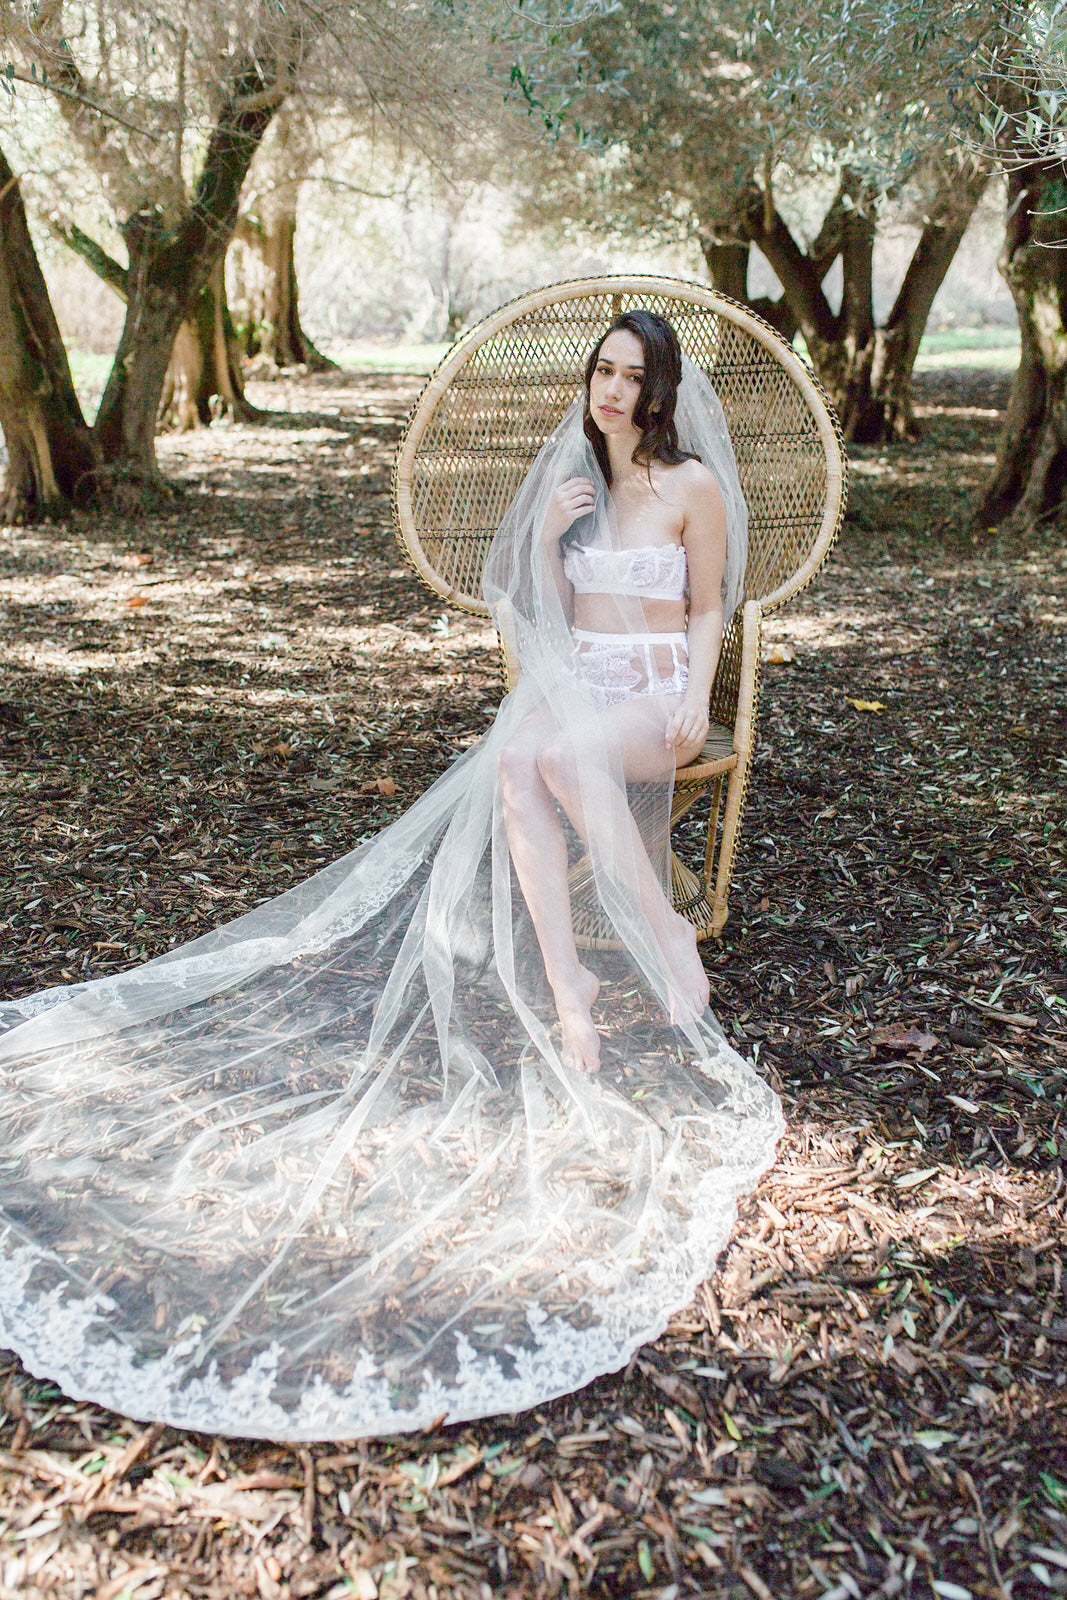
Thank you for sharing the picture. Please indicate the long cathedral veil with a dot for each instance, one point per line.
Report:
(322, 1172)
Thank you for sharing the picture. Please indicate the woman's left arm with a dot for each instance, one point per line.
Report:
(704, 537)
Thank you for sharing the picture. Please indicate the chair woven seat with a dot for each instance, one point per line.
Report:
(718, 755)
(495, 398)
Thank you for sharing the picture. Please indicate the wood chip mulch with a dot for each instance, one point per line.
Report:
(205, 701)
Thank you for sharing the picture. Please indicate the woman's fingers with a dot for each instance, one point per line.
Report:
(685, 727)
(579, 494)
(575, 497)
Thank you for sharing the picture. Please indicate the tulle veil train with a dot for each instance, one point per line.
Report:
(322, 1172)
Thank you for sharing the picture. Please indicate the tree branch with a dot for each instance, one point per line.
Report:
(13, 73)
(56, 57)
(826, 245)
(106, 267)
(800, 280)
(933, 255)
(257, 91)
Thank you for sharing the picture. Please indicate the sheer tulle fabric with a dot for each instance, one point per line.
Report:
(322, 1173)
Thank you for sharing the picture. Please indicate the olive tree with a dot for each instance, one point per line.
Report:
(713, 116)
(1025, 126)
(171, 155)
(165, 104)
(52, 455)
(262, 268)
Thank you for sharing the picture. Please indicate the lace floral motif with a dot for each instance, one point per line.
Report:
(75, 1336)
(617, 668)
(324, 1171)
(652, 572)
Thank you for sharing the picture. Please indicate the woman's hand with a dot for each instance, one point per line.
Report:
(687, 725)
(574, 498)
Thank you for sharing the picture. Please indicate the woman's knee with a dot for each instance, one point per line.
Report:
(557, 765)
(516, 767)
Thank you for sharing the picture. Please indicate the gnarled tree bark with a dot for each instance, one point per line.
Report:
(267, 301)
(172, 248)
(204, 379)
(866, 369)
(1029, 480)
(168, 268)
(51, 452)
(727, 265)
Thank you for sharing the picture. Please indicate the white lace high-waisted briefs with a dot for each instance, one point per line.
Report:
(623, 666)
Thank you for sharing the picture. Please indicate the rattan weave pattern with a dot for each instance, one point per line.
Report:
(491, 404)
(497, 395)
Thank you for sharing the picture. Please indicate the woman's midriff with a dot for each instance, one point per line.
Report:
(600, 614)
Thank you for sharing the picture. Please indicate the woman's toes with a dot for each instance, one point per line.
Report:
(580, 1047)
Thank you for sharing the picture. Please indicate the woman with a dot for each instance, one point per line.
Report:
(669, 515)
(346, 1166)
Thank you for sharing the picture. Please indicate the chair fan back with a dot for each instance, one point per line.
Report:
(501, 390)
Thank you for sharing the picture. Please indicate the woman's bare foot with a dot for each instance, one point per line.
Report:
(689, 990)
(574, 997)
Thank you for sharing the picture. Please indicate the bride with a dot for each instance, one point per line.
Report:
(384, 1151)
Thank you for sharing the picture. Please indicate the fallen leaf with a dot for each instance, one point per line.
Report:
(912, 1180)
(386, 786)
(865, 705)
(775, 653)
(907, 1039)
(136, 600)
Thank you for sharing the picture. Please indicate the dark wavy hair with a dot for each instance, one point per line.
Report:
(654, 411)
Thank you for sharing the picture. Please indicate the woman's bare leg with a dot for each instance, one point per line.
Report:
(636, 729)
(539, 853)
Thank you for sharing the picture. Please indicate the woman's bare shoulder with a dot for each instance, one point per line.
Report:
(687, 477)
(699, 486)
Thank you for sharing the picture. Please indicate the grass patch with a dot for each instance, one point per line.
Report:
(360, 356)
(88, 371)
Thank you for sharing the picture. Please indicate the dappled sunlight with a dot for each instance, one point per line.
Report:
(876, 1376)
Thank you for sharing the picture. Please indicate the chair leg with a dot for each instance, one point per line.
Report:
(711, 843)
(731, 822)
(744, 738)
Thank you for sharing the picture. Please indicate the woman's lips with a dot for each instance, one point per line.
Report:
(611, 411)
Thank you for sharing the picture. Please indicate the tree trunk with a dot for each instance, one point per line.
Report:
(203, 379)
(267, 301)
(866, 370)
(727, 266)
(1029, 480)
(169, 265)
(848, 359)
(51, 453)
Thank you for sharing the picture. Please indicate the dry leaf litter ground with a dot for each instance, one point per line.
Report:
(202, 704)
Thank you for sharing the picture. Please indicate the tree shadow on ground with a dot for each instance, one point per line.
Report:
(204, 706)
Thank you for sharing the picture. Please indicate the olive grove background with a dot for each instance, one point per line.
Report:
(185, 189)
(424, 264)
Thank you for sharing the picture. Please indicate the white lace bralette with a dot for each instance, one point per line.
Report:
(651, 572)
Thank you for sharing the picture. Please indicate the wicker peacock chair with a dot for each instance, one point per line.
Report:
(484, 415)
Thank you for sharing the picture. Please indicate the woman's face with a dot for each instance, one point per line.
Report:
(616, 383)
